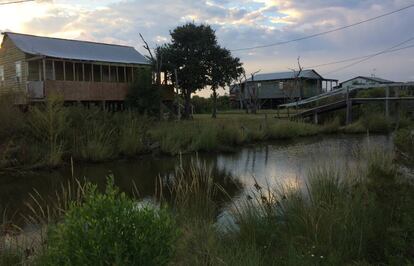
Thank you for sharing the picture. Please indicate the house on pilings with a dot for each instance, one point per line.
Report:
(272, 89)
(79, 71)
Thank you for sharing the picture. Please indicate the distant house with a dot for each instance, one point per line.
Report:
(77, 70)
(363, 81)
(272, 89)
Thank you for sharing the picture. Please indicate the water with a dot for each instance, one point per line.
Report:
(271, 163)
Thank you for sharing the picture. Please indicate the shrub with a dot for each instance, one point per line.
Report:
(111, 229)
(143, 96)
(11, 118)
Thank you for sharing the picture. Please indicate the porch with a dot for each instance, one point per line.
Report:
(78, 80)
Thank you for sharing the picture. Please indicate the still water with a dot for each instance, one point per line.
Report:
(270, 163)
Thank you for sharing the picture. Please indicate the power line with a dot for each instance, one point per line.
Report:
(357, 58)
(371, 56)
(324, 32)
(16, 2)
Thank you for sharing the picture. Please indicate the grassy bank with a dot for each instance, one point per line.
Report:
(361, 217)
(52, 135)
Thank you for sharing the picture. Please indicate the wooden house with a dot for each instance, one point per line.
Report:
(80, 71)
(272, 89)
(363, 81)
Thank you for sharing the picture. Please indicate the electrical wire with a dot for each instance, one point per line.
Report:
(16, 2)
(324, 32)
(371, 56)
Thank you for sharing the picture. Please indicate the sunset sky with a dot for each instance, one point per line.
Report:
(238, 24)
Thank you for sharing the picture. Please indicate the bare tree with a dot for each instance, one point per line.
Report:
(294, 86)
(156, 63)
(242, 81)
(253, 93)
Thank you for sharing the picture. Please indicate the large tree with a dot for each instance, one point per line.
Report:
(192, 59)
(224, 69)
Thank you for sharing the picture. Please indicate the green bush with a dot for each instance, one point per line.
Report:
(111, 229)
(143, 96)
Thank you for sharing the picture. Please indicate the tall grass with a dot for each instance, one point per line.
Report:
(47, 125)
(339, 219)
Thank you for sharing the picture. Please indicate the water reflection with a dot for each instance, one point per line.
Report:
(275, 163)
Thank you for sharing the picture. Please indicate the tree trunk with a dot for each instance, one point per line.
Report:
(187, 105)
(214, 114)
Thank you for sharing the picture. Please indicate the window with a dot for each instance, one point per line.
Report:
(18, 71)
(1, 75)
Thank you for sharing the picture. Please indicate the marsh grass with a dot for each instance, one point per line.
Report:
(192, 191)
(338, 219)
(47, 125)
(132, 135)
(225, 134)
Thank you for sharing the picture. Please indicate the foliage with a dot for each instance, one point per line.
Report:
(47, 125)
(404, 141)
(205, 105)
(111, 229)
(132, 135)
(11, 118)
(198, 60)
(143, 96)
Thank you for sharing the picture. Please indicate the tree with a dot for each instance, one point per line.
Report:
(143, 95)
(224, 69)
(191, 58)
(295, 86)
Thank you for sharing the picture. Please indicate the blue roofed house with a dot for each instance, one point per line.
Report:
(272, 89)
(77, 70)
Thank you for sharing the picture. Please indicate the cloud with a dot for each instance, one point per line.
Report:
(243, 24)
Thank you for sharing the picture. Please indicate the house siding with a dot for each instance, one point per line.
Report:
(9, 55)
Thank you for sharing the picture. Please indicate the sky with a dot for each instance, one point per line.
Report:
(239, 24)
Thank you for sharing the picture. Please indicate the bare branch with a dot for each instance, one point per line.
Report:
(146, 47)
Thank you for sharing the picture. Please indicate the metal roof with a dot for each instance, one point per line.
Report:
(309, 73)
(376, 79)
(77, 50)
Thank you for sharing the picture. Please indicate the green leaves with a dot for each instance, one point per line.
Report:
(111, 229)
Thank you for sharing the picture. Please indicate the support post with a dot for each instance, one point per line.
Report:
(348, 108)
(315, 117)
(74, 71)
(117, 74)
(93, 80)
(39, 67)
(64, 70)
(53, 70)
(397, 107)
(109, 73)
(44, 68)
(83, 72)
(100, 66)
(125, 74)
(387, 103)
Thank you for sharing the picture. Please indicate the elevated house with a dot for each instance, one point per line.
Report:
(80, 71)
(272, 89)
(363, 81)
